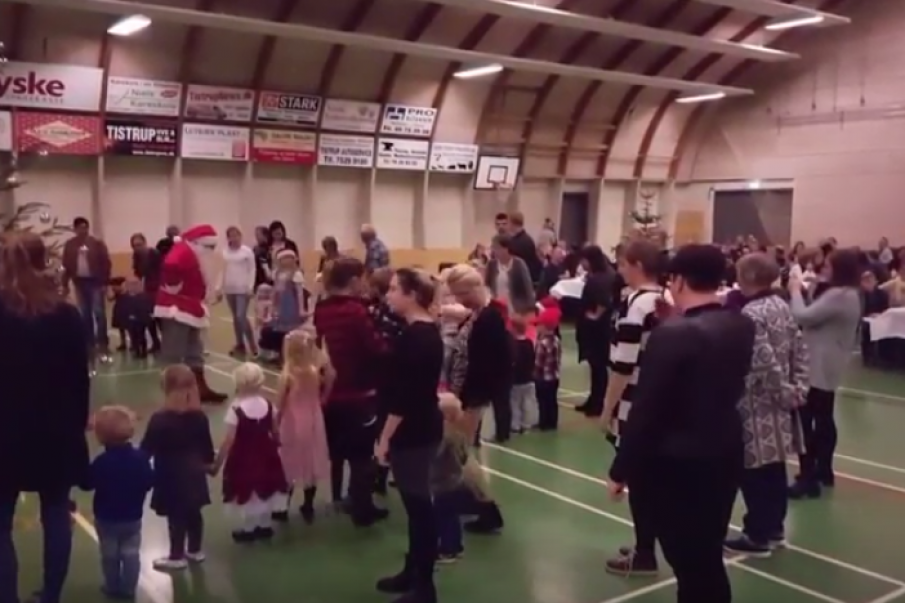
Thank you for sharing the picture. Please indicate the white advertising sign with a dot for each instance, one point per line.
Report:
(402, 154)
(337, 150)
(133, 96)
(350, 116)
(216, 103)
(58, 87)
(6, 131)
(453, 157)
(408, 121)
(219, 143)
(294, 109)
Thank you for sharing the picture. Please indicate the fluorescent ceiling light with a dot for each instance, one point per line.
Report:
(700, 98)
(794, 22)
(481, 71)
(129, 25)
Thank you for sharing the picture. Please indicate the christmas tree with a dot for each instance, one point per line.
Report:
(646, 221)
(29, 217)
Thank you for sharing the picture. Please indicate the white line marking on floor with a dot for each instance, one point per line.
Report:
(155, 370)
(629, 596)
(890, 597)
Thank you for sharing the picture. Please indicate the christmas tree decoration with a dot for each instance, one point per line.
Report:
(646, 221)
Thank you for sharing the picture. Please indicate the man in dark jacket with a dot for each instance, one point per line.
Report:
(508, 278)
(165, 244)
(683, 450)
(522, 245)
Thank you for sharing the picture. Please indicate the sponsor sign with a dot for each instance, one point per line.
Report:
(402, 154)
(53, 87)
(408, 121)
(140, 138)
(293, 109)
(135, 96)
(350, 116)
(218, 143)
(6, 131)
(338, 150)
(284, 146)
(57, 134)
(453, 157)
(217, 103)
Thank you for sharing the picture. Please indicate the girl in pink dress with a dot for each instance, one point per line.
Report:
(304, 385)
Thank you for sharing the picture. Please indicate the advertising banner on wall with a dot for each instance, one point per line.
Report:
(134, 96)
(140, 138)
(290, 109)
(336, 150)
(218, 143)
(284, 146)
(402, 154)
(56, 134)
(350, 116)
(453, 157)
(6, 131)
(53, 87)
(408, 121)
(218, 103)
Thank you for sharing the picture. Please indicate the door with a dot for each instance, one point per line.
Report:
(765, 214)
(575, 218)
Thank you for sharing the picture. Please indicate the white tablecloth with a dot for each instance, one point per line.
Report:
(889, 325)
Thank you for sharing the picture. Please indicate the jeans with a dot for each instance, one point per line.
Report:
(523, 402)
(238, 306)
(547, 393)
(90, 297)
(448, 509)
(764, 490)
(56, 525)
(120, 545)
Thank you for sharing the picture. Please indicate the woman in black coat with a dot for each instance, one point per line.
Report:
(146, 265)
(44, 397)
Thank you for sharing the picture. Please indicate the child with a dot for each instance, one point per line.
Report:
(178, 440)
(290, 302)
(121, 477)
(547, 365)
(253, 479)
(120, 319)
(304, 384)
(522, 396)
(263, 316)
(137, 309)
(448, 479)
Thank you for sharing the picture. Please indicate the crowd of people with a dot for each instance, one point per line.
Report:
(709, 368)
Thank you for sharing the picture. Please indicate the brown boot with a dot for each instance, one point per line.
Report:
(207, 395)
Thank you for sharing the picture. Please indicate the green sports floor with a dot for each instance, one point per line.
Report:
(561, 526)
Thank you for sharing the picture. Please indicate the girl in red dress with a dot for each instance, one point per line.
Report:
(254, 483)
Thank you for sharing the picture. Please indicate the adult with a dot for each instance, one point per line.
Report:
(146, 264)
(263, 261)
(885, 254)
(329, 252)
(830, 324)
(237, 282)
(479, 366)
(44, 387)
(594, 326)
(279, 240)
(377, 255)
(776, 386)
(345, 329)
(181, 304)
(554, 270)
(522, 245)
(682, 450)
(508, 278)
(170, 238)
(547, 236)
(501, 223)
(413, 430)
(87, 268)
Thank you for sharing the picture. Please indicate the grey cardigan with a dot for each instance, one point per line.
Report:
(521, 289)
(829, 325)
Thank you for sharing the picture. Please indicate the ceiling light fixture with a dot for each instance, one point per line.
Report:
(473, 72)
(700, 98)
(795, 22)
(128, 26)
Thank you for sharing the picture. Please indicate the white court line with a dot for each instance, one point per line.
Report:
(135, 373)
(590, 478)
(890, 597)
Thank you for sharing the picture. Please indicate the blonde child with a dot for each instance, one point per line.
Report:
(121, 477)
(304, 384)
(253, 481)
(263, 315)
(178, 440)
(448, 481)
(452, 315)
(290, 302)
(522, 397)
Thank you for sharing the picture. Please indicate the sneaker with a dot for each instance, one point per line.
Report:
(745, 546)
(778, 542)
(166, 564)
(196, 557)
(449, 558)
(632, 564)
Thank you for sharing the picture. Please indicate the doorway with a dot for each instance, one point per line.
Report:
(764, 214)
(575, 219)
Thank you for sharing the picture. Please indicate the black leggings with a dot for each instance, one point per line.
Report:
(645, 529)
(820, 435)
(411, 468)
(186, 533)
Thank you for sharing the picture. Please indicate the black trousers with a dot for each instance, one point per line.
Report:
(547, 393)
(598, 367)
(502, 416)
(411, 470)
(820, 436)
(690, 501)
(186, 531)
(351, 431)
(643, 516)
(765, 492)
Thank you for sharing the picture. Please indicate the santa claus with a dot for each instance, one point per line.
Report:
(181, 303)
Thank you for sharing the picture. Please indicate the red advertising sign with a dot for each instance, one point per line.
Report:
(58, 134)
(284, 146)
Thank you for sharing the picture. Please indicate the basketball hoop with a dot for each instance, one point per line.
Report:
(502, 190)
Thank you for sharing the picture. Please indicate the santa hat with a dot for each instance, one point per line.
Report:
(203, 234)
(547, 303)
(286, 253)
(549, 318)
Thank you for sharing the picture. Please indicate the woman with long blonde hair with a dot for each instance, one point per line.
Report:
(45, 390)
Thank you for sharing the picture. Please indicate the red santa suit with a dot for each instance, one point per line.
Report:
(181, 303)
